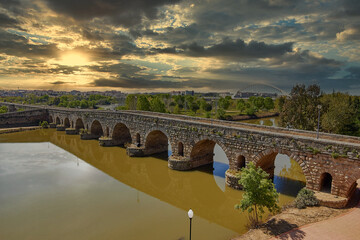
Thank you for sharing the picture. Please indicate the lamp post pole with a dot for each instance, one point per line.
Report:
(318, 127)
(190, 214)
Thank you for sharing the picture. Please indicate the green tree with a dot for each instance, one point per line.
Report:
(300, 110)
(240, 105)
(268, 103)
(130, 102)
(157, 105)
(84, 103)
(194, 107)
(220, 114)
(224, 103)
(259, 193)
(143, 103)
(259, 102)
(339, 114)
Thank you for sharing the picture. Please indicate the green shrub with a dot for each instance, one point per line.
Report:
(44, 124)
(306, 198)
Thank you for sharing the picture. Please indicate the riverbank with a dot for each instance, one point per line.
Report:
(18, 129)
(292, 218)
(256, 116)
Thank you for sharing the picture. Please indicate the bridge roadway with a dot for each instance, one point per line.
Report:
(330, 163)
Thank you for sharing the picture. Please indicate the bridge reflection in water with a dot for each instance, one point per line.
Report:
(199, 189)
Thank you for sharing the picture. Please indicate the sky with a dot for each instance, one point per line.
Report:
(165, 45)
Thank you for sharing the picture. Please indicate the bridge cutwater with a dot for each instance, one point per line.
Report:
(331, 159)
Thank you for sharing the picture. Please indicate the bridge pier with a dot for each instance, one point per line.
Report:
(109, 142)
(141, 151)
(52, 125)
(71, 131)
(88, 136)
(60, 128)
(181, 163)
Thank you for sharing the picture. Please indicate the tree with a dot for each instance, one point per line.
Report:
(224, 103)
(240, 105)
(259, 193)
(339, 114)
(143, 103)
(157, 105)
(194, 107)
(268, 103)
(84, 103)
(300, 110)
(220, 113)
(130, 102)
(259, 102)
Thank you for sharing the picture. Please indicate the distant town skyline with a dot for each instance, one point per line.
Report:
(165, 45)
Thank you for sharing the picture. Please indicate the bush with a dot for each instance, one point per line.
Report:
(306, 198)
(44, 124)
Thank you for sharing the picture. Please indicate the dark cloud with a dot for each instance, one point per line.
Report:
(121, 12)
(8, 22)
(60, 83)
(15, 45)
(235, 50)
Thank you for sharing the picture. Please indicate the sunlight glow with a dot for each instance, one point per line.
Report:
(74, 59)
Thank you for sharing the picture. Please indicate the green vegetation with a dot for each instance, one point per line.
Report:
(222, 108)
(68, 101)
(44, 124)
(306, 198)
(3, 109)
(259, 193)
(340, 112)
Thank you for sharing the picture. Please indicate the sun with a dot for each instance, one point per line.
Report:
(74, 59)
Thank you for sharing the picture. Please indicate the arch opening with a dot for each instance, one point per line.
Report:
(67, 123)
(107, 131)
(325, 182)
(79, 124)
(180, 149)
(51, 120)
(138, 143)
(121, 134)
(240, 162)
(57, 121)
(286, 173)
(96, 129)
(156, 142)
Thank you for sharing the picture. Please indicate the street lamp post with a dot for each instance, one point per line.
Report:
(318, 127)
(190, 214)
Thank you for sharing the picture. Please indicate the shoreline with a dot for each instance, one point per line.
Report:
(18, 129)
(250, 117)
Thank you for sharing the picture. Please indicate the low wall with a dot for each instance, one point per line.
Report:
(24, 118)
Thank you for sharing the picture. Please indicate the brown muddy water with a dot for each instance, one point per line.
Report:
(56, 186)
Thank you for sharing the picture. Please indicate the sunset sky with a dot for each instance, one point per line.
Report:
(162, 45)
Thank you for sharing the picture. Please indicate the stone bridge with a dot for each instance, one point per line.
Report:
(330, 163)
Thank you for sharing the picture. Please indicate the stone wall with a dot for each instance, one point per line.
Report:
(23, 118)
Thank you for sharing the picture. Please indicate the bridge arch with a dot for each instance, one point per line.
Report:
(156, 141)
(266, 160)
(96, 129)
(57, 121)
(50, 119)
(202, 152)
(67, 122)
(79, 124)
(121, 134)
(180, 149)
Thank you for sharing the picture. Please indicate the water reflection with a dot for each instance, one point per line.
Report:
(85, 203)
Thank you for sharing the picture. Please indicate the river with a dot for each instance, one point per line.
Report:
(56, 186)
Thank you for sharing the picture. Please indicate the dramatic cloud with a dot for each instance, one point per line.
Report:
(121, 12)
(206, 45)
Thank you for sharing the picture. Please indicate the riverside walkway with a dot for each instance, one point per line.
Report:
(343, 227)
